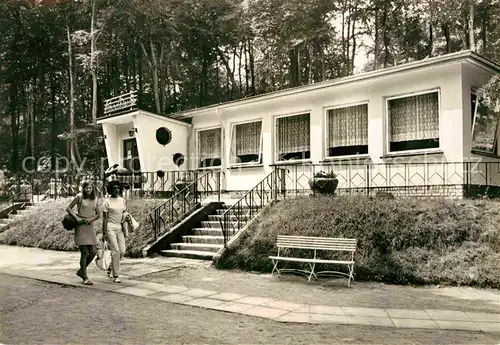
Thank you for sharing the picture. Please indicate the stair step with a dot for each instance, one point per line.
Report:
(233, 217)
(208, 232)
(217, 225)
(188, 254)
(204, 247)
(203, 239)
(233, 211)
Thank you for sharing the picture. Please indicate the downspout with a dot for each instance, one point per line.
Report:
(223, 151)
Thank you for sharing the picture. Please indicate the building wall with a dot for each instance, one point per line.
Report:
(153, 155)
(445, 78)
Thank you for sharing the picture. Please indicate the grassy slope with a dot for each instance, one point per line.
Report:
(43, 228)
(401, 240)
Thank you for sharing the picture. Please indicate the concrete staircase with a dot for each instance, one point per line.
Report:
(205, 241)
(26, 210)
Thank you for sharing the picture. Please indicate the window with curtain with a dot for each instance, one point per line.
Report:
(246, 143)
(414, 122)
(348, 130)
(484, 127)
(293, 137)
(209, 147)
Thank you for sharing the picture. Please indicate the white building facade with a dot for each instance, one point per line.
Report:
(416, 124)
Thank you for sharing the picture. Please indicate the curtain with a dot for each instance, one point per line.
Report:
(247, 138)
(348, 126)
(414, 118)
(210, 143)
(294, 134)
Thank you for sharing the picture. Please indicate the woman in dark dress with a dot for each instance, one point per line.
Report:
(85, 234)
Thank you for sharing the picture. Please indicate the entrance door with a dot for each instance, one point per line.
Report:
(131, 155)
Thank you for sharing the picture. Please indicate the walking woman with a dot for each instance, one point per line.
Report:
(85, 236)
(113, 208)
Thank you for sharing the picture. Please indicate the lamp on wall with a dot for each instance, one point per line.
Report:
(132, 131)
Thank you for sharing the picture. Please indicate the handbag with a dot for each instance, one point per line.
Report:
(103, 257)
(68, 221)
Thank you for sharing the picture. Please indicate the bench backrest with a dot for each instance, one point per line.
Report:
(321, 243)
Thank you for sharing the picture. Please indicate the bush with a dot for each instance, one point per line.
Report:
(43, 228)
(399, 241)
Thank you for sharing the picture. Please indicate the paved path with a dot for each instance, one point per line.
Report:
(60, 268)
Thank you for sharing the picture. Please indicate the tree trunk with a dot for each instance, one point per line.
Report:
(431, 40)
(376, 49)
(93, 63)
(446, 33)
(385, 37)
(252, 67)
(31, 120)
(53, 135)
(353, 39)
(153, 65)
(472, 42)
(72, 139)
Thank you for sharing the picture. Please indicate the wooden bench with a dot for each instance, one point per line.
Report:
(315, 244)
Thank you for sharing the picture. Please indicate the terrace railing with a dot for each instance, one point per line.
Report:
(251, 203)
(187, 199)
(127, 101)
(430, 179)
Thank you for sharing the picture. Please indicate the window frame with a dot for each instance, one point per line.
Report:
(388, 123)
(326, 133)
(275, 138)
(197, 140)
(496, 145)
(261, 145)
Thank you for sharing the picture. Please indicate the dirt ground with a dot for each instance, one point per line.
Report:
(325, 291)
(37, 312)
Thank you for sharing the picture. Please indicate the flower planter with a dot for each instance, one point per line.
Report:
(323, 185)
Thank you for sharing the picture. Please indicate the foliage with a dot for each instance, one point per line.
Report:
(399, 240)
(323, 174)
(43, 228)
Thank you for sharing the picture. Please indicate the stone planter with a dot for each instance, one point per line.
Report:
(324, 185)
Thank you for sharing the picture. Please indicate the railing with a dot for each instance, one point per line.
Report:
(126, 101)
(431, 179)
(184, 201)
(251, 203)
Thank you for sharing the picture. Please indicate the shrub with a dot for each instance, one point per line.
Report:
(399, 240)
(43, 228)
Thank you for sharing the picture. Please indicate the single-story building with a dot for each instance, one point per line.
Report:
(415, 125)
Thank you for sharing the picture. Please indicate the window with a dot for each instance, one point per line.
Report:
(347, 131)
(293, 137)
(414, 122)
(209, 147)
(246, 143)
(484, 127)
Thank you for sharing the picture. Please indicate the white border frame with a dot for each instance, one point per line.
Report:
(387, 123)
(326, 133)
(261, 152)
(275, 133)
(197, 143)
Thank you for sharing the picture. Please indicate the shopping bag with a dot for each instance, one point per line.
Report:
(103, 258)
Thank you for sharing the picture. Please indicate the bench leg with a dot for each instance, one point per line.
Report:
(312, 266)
(275, 267)
(351, 276)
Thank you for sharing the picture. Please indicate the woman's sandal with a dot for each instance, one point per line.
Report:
(88, 282)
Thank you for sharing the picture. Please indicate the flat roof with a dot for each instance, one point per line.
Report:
(462, 55)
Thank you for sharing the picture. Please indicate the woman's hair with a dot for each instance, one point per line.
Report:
(113, 184)
(86, 195)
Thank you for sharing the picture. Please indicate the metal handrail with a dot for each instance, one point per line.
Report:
(186, 207)
(251, 203)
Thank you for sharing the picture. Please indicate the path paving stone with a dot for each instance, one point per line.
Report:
(283, 305)
(493, 327)
(227, 296)
(369, 320)
(324, 309)
(374, 312)
(463, 325)
(174, 298)
(408, 314)
(136, 291)
(295, 317)
(234, 307)
(447, 315)
(325, 318)
(483, 317)
(414, 323)
(268, 313)
(254, 300)
(204, 302)
(198, 293)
